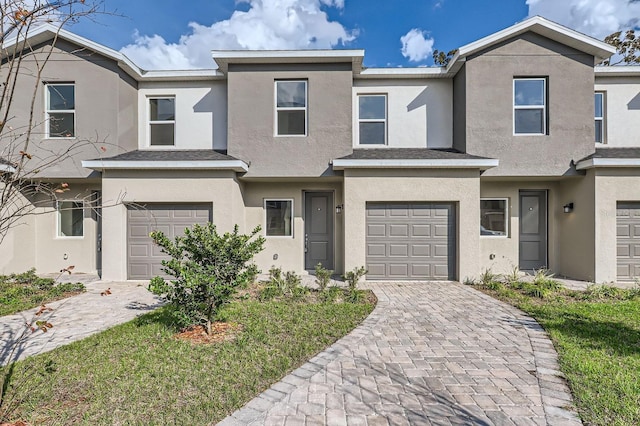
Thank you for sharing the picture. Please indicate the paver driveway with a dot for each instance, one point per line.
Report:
(430, 353)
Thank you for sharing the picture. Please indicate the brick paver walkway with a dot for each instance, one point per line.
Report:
(75, 318)
(430, 353)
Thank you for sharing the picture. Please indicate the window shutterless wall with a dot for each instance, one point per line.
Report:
(200, 113)
(622, 110)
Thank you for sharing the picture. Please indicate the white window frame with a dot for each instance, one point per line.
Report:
(59, 204)
(305, 109)
(48, 111)
(506, 216)
(161, 122)
(602, 119)
(374, 120)
(543, 107)
(265, 201)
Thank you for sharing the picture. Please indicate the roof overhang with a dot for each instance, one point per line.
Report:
(47, 31)
(7, 168)
(607, 162)
(403, 73)
(100, 165)
(539, 25)
(481, 164)
(618, 71)
(225, 57)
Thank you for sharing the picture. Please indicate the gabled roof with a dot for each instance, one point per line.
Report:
(316, 56)
(202, 159)
(539, 25)
(412, 158)
(46, 32)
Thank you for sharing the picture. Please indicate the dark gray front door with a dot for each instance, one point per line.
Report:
(318, 228)
(533, 229)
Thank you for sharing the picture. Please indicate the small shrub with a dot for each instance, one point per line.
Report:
(323, 277)
(469, 281)
(207, 268)
(279, 285)
(331, 294)
(544, 278)
(488, 277)
(513, 277)
(353, 277)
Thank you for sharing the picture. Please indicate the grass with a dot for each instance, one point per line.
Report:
(138, 373)
(597, 336)
(19, 292)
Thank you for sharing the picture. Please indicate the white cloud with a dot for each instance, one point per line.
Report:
(597, 18)
(267, 25)
(416, 46)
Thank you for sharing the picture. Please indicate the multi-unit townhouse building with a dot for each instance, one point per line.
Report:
(521, 152)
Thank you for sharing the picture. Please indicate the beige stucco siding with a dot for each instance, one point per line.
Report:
(612, 186)
(290, 250)
(501, 254)
(105, 105)
(220, 188)
(622, 109)
(251, 119)
(34, 242)
(419, 112)
(461, 187)
(488, 107)
(201, 113)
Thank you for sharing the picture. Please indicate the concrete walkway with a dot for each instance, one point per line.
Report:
(74, 318)
(430, 353)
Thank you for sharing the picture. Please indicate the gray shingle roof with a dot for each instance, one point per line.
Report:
(409, 154)
(171, 155)
(614, 153)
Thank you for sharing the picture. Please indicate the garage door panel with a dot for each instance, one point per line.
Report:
(418, 241)
(628, 240)
(396, 230)
(399, 250)
(144, 257)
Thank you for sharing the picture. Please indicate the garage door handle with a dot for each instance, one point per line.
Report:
(306, 243)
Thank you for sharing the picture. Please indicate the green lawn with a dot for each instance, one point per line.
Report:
(138, 373)
(19, 292)
(597, 336)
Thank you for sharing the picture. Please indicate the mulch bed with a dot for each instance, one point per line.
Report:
(220, 332)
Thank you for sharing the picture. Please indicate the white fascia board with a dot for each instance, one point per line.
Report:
(224, 57)
(599, 49)
(607, 162)
(235, 165)
(482, 164)
(425, 72)
(6, 168)
(617, 71)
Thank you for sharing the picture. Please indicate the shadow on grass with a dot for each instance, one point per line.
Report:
(616, 337)
(164, 316)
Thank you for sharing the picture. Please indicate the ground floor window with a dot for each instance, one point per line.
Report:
(279, 218)
(493, 217)
(70, 216)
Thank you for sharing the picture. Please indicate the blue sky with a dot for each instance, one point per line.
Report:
(176, 35)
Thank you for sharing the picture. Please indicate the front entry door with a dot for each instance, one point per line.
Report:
(533, 230)
(318, 228)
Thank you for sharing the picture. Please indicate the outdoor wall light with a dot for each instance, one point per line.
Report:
(339, 208)
(568, 208)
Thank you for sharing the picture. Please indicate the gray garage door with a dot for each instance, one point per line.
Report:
(144, 257)
(628, 231)
(410, 241)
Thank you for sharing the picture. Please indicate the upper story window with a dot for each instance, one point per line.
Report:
(599, 116)
(372, 119)
(162, 121)
(291, 108)
(70, 217)
(60, 110)
(530, 106)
